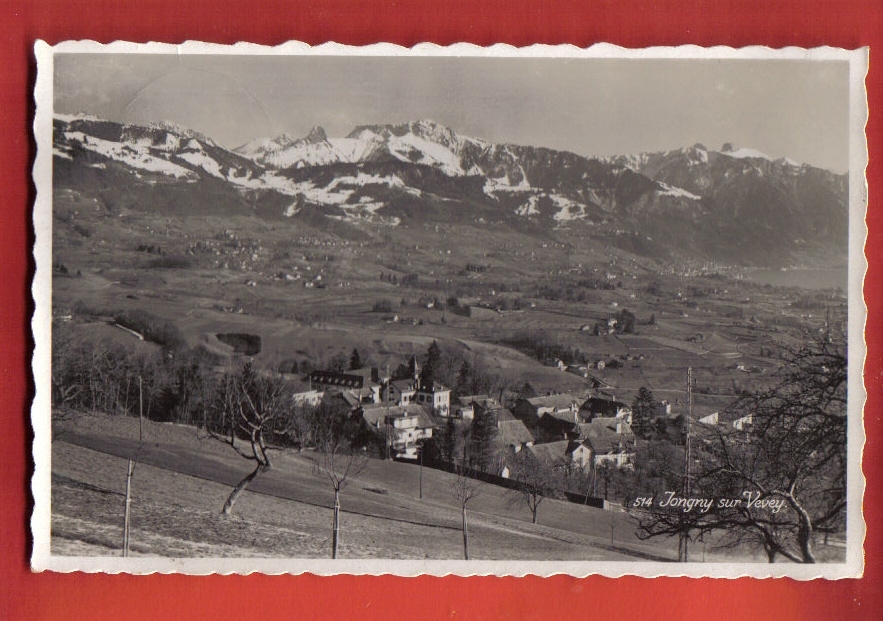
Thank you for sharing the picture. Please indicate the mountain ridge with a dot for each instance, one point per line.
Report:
(734, 205)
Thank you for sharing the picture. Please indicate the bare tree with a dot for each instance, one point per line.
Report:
(69, 376)
(787, 469)
(301, 430)
(536, 481)
(100, 377)
(464, 489)
(249, 409)
(339, 461)
(340, 466)
(192, 387)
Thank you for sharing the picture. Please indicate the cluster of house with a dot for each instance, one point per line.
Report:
(588, 431)
(585, 431)
(401, 411)
(404, 412)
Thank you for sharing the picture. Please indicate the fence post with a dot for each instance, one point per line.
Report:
(130, 468)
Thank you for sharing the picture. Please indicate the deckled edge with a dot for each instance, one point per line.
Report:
(598, 50)
(856, 393)
(41, 291)
(41, 322)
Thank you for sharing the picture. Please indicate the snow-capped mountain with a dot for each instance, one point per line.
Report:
(159, 148)
(734, 205)
(694, 168)
(420, 142)
(753, 201)
(530, 181)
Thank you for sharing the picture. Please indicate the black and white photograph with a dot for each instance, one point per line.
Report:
(449, 310)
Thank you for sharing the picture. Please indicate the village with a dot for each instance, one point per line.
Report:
(579, 439)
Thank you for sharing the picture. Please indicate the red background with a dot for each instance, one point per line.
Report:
(629, 23)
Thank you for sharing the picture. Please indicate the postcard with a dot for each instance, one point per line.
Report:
(449, 310)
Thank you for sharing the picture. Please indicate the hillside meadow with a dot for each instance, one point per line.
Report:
(181, 480)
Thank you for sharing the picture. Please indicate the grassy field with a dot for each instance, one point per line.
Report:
(182, 479)
(176, 507)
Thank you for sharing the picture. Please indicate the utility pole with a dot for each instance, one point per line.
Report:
(388, 433)
(130, 468)
(684, 536)
(465, 534)
(336, 526)
(140, 412)
(420, 446)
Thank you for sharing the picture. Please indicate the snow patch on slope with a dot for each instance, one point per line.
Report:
(411, 148)
(567, 209)
(201, 160)
(530, 208)
(352, 150)
(170, 142)
(669, 190)
(504, 184)
(363, 179)
(359, 215)
(127, 155)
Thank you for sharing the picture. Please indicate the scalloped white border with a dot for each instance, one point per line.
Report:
(41, 326)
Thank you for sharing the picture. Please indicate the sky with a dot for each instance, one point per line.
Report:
(784, 108)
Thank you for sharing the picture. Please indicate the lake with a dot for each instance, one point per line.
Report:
(808, 278)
